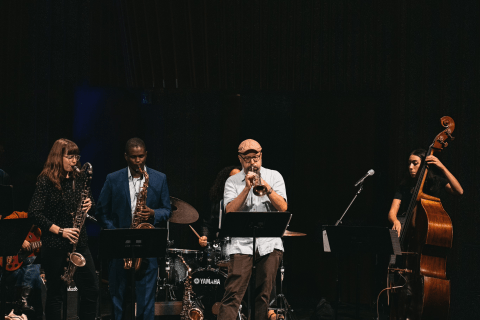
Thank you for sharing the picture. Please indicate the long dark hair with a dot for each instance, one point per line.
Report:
(53, 168)
(432, 181)
(216, 191)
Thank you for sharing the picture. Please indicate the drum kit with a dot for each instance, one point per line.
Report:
(209, 268)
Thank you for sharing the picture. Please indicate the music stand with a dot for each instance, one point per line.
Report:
(132, 243)
(378, 240)
(348, 240)
(254, 225)
(12, 234)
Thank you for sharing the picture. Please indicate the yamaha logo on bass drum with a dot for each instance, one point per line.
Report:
(206, 281)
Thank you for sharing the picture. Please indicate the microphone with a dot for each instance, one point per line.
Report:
(76, 169)
(369, 173)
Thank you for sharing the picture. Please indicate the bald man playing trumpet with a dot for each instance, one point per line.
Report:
(239, 196)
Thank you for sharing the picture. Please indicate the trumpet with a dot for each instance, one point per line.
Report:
(258, 188)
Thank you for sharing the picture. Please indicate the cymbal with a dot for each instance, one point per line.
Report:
(289, 233)
(182, 212)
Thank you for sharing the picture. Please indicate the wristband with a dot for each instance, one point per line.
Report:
(270, 191)
(60, 232)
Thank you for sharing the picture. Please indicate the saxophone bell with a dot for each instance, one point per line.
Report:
(195, 314)
(77, 259)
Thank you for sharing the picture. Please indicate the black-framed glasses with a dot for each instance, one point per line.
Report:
(249, 159)
(72, 156)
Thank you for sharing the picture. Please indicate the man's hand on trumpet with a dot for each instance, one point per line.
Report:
(250, 179)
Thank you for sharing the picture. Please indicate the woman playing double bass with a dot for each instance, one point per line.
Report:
(410, 300)
(435, 185)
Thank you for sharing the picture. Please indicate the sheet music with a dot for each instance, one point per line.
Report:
(326, 245)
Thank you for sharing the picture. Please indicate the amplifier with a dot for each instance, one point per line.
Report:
(71, 307)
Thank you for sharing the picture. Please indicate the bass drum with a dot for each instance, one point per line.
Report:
(209, 288)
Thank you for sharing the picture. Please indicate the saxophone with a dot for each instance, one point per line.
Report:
(75, 259)
(190, 309)
(138, 221)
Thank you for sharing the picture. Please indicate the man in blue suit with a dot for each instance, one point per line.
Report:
(115, 208)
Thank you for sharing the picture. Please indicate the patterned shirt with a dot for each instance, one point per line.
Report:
(233, 187)
(52, 206)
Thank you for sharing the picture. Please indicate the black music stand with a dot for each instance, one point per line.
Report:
(12, 234)
(348, 240)
(133, 243)
(254, 225)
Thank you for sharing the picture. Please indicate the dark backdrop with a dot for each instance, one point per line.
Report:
(330, 90)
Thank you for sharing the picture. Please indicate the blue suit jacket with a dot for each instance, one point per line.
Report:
(113, 209)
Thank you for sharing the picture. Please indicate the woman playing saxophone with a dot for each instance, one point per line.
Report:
(52, 208)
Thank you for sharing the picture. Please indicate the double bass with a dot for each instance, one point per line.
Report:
(425, 238)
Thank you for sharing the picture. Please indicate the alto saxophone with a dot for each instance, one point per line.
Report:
(75, 259)
(190, 309)
(138, 221)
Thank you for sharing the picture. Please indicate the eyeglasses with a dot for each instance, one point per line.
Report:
(72, 156)
(248, 159)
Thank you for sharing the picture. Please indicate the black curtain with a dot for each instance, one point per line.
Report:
(330, 90)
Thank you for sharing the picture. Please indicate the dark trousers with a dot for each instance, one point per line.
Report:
(54, 262)
(239, 272)
(144, 289)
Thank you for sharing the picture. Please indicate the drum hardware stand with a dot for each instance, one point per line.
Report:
(283, 310)
(162, 283)
(209, 252)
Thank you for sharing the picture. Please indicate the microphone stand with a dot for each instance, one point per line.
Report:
(339, 221)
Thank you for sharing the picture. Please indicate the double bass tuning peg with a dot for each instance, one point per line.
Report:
(449, 134)
(444, 143)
